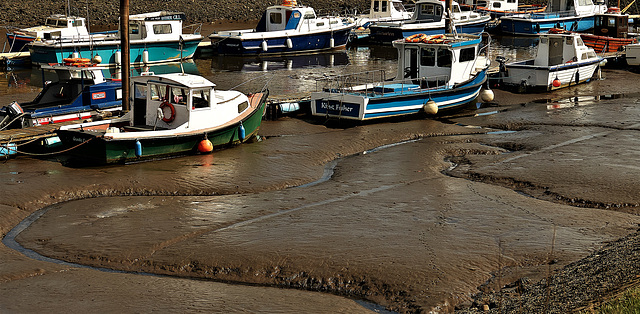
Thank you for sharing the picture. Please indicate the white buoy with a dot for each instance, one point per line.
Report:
(264, 45)
(265, 65)
(430, 107)
(145, 56)
(289, 43)
(332, 42)
(117, 58)
(75, 54)
(487, 95)
(97, 59)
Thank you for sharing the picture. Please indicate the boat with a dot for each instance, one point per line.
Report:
(55, 26)
(283, 29)
(81, 92)
(632, 55)
(609, 34)
(561, 60)
(500, 8)
(171, 114)
(154, 37)
(434, 73)
(429, 19)
(573, 15)
(379, 11)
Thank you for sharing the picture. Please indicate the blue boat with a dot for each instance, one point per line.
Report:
(154, 37)
(283, 29)
(429, 19)
(446, 72)
(80, 93)
(56, 25)
(572, 15)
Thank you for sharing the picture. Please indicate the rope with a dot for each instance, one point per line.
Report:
(59, 152)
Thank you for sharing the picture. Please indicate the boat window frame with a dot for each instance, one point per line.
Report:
(161, 29)
(275, 18)
(243, 106)
(428, 60)
(376, 6)
(468, 54)
(384, 6)
(444, 58)
(197, 103)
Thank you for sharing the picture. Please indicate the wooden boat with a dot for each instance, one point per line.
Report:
(562, 60)
(434, 73)
(429, 19)
(172, 114)
(81, 92)
(154, 37)
(573, 15)
(55, 26)
(286, 28)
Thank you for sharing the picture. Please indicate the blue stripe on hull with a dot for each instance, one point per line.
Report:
(537, 26)
(158, 52)
(278, 45)
(18, 42)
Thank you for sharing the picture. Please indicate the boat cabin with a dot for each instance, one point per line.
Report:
(59, 26)
(577, 7)
(448, 62)
(494, 5)
(386, 9)
(432, 11)
(283, 17)
(161, 25)
(180, 101)
(612, 25)
(556, 49)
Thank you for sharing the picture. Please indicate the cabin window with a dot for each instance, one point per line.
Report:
(511, 1)
(384, 6)
(275, 18)
(139, 91)
(200, 98)
(134, 29)
(376, 6)
(179, 95)
(309, 15)
(76, 23)
(467, 54)
(398, 6)
(162, 29)
(444, 58)
(320, 24)
(428, 9)
(612, 22)
(428, 57)
(591, 54)
(243, 106)
(497, 5)
(49, 22)
(158, 92)
(544, 40)
(579, 41)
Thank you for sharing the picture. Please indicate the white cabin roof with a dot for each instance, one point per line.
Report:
(187, 80)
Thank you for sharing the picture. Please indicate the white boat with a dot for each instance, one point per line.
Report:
(171, 114)
(429, 18)
(561, 60)
(632, 54)
(434, 73)
(55, 26)
(286, 28)
(380, 11)
(153, 37)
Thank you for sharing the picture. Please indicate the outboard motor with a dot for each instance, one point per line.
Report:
(11, 115)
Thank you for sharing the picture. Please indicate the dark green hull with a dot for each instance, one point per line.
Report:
(93, 149)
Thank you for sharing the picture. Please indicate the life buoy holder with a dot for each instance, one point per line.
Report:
(415, 38)
(172, 117)
(434, 39)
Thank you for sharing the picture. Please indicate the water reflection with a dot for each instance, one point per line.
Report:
(271, 63)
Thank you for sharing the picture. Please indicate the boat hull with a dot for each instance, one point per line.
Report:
(270, 44)
(606, 44)
(97, 150)
(387, 34)
(410, 100)
(18, 42)
(525, 77)
(157, 51)
(541, 23)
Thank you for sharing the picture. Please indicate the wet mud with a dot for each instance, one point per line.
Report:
(511, 194)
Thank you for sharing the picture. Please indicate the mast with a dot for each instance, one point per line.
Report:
(124, 43)
(447, 21)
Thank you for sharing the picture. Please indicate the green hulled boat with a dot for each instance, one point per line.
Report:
(171, 114)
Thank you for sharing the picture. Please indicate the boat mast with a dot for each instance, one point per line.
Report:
(124, 43)
(448, 20)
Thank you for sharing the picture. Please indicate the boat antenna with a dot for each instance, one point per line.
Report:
(68, 7)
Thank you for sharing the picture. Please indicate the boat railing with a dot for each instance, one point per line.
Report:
(193, 28)
(374, 83)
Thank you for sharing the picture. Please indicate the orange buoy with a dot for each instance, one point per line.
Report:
(205, 146)
(556, 83)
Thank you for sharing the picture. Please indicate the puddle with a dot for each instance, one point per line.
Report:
(581, 100)
(502, 132)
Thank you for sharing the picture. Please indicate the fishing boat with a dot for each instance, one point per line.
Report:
(55, 26)
(561, 60)
(171, 114)
(429, 19)
(379, 11)
(81, 92)
(500, 8)
(609, 34)
(573, 15)
(434, 73)
(154, 37)
(286, 28)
